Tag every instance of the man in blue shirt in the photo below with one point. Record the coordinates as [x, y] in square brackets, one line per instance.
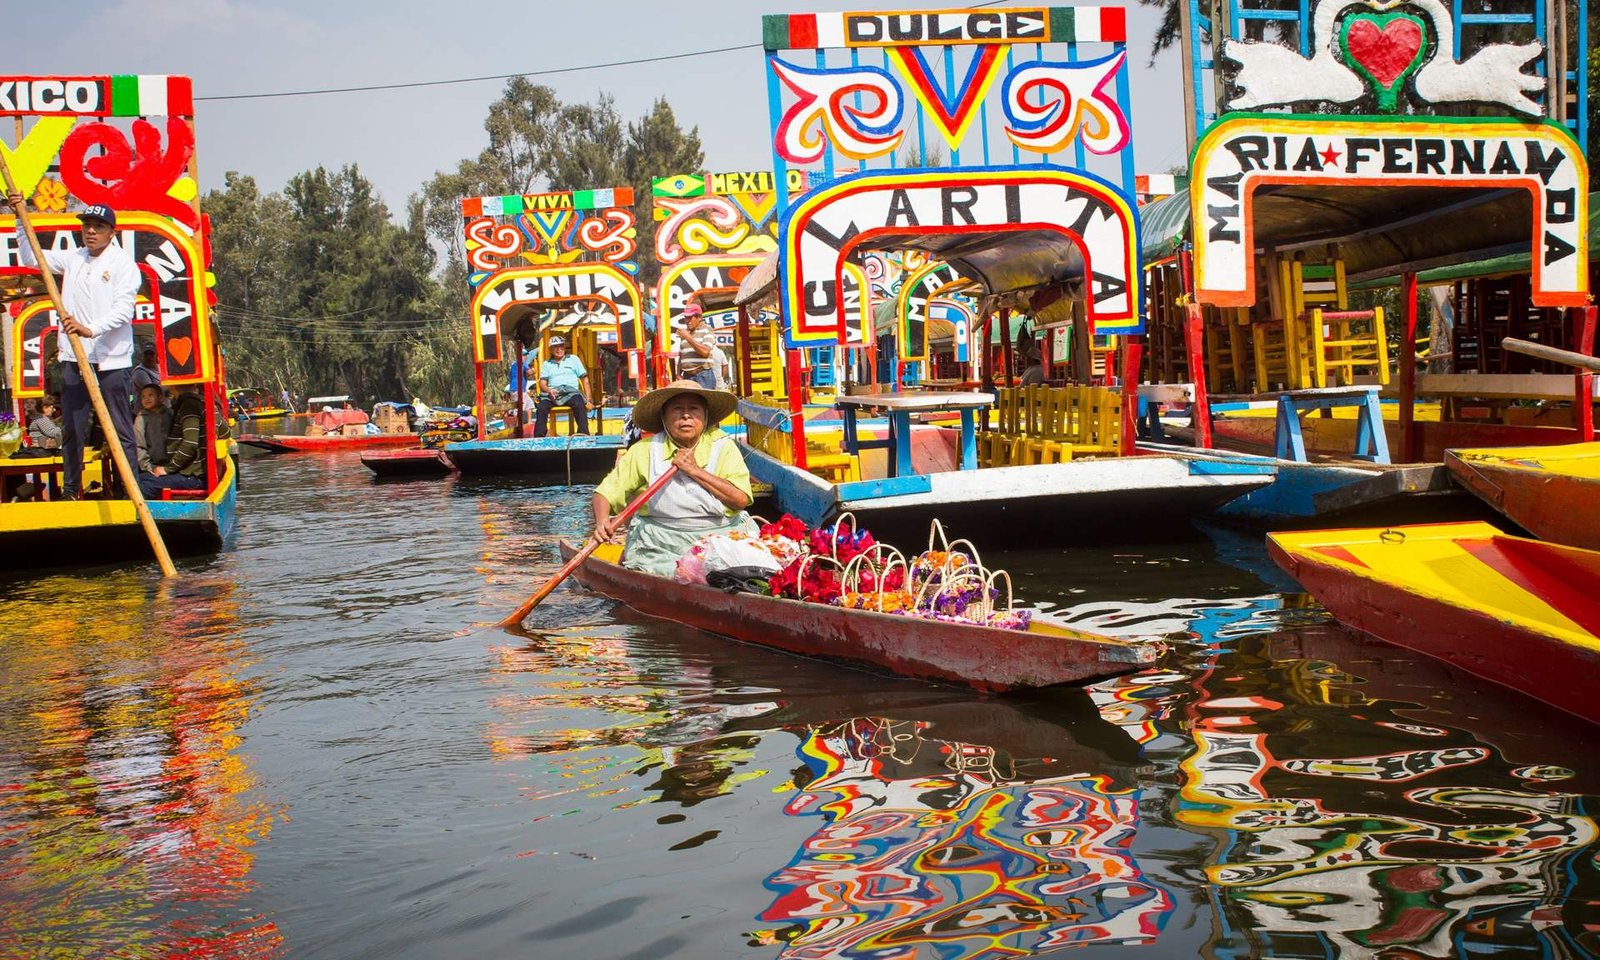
[561, 383]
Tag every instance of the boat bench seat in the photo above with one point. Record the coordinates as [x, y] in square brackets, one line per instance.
[831, 465]
[183, 494]
[1039, 424]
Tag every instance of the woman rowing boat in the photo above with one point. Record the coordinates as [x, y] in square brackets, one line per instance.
[707, 495]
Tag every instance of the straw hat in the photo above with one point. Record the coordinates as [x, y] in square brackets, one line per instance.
[647, 412]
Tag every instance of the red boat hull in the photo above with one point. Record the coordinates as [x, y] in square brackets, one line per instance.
[1560, 674]
[984, 658]
[290, 443]
[1551, 506]
[408, 463]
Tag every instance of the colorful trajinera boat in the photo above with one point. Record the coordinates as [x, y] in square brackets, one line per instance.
[1551, 492]
[1521, 613]
[166, 238]
[540, 266]
[1261, 274]
[985, 658]
[1035, 216]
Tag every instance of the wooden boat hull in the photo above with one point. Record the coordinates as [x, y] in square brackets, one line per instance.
[1552, 492]
[407, 464]
[576, 459]
[84, 533]
[1001, 507]
[984, 658]
[1517, 612]
[291, 443]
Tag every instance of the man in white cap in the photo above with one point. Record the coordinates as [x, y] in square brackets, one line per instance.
[562, 379]
[99, 286]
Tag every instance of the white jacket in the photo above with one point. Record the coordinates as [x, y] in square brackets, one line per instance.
[100, 293]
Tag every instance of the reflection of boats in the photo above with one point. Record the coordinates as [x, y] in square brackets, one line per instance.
[1519, 612]
[407, 463]
[981, 657]
[1552, 492]
[954, 847]
[294, 443]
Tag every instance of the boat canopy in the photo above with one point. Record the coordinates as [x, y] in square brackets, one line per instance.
[760, 283]
[1380, 231]
[1500, 266]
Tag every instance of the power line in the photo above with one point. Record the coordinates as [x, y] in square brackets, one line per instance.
[506, 76]
[499, 76]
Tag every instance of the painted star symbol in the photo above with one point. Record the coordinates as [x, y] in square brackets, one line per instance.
[1329, 156]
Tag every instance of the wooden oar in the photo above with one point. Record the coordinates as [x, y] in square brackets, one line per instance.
[124, 468]
[522, 612]
[1543, 352]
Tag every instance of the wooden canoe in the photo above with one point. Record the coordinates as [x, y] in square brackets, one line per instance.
[1552, 492]
[407, 463]
[293, 443]
[1522, 613]
[985, 658]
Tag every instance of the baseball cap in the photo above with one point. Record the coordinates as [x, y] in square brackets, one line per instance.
[557, 342]
[693, 310]
[99, 211]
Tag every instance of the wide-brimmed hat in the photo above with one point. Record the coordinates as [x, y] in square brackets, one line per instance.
[647, 412]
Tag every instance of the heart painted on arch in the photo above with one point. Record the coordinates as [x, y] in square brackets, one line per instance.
[180, 349]
[1385, 48]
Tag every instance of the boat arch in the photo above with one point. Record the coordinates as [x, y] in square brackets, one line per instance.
[601, 284]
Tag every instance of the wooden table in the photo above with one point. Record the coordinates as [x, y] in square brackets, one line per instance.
[899, 406]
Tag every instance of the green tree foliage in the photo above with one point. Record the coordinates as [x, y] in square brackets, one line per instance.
[321, 290]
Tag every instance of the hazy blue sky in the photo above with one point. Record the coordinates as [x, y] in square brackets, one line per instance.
[401, 137]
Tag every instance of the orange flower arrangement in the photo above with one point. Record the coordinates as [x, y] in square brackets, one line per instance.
[890, 601]
[51, 196]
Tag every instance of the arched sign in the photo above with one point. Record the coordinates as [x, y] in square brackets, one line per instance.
[169, 259]
[827, 226]
[912, 302]
[681, 281]
[594, 283]
[1241, 153]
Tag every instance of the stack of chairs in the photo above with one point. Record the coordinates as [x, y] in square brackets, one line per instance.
[1040, 424]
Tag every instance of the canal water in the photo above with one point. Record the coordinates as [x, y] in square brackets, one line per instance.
[312, 748]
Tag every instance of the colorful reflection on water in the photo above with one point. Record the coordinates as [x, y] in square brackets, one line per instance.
[955, 850]
[122, 815]
[307, 750]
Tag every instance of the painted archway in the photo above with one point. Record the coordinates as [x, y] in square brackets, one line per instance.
[599, 283]
[1242, 153]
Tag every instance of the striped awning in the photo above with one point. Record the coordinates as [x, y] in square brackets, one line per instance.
[1164, 226]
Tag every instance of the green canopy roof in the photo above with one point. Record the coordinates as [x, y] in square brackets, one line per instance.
[1510, 263]
[1163, 226]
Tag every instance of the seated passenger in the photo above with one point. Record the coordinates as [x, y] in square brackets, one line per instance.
[44, 431]
[150, 429]
[185, 468]
[708, 494]
[561, 384]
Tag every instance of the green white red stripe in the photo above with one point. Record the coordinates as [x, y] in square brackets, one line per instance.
[995, 25]
[151, 95]
[513, 204]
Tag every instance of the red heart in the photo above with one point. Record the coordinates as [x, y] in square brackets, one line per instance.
[180, 348]
[1388, 52]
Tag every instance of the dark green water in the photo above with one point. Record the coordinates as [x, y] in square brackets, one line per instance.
[306, 751]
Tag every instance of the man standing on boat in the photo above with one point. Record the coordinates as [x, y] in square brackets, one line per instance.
[562, 379]
[696, 349]
[99, 285]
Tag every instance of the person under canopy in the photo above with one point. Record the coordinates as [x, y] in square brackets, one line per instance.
[708, 494]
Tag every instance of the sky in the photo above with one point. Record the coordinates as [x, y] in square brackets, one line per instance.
[400, 138]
